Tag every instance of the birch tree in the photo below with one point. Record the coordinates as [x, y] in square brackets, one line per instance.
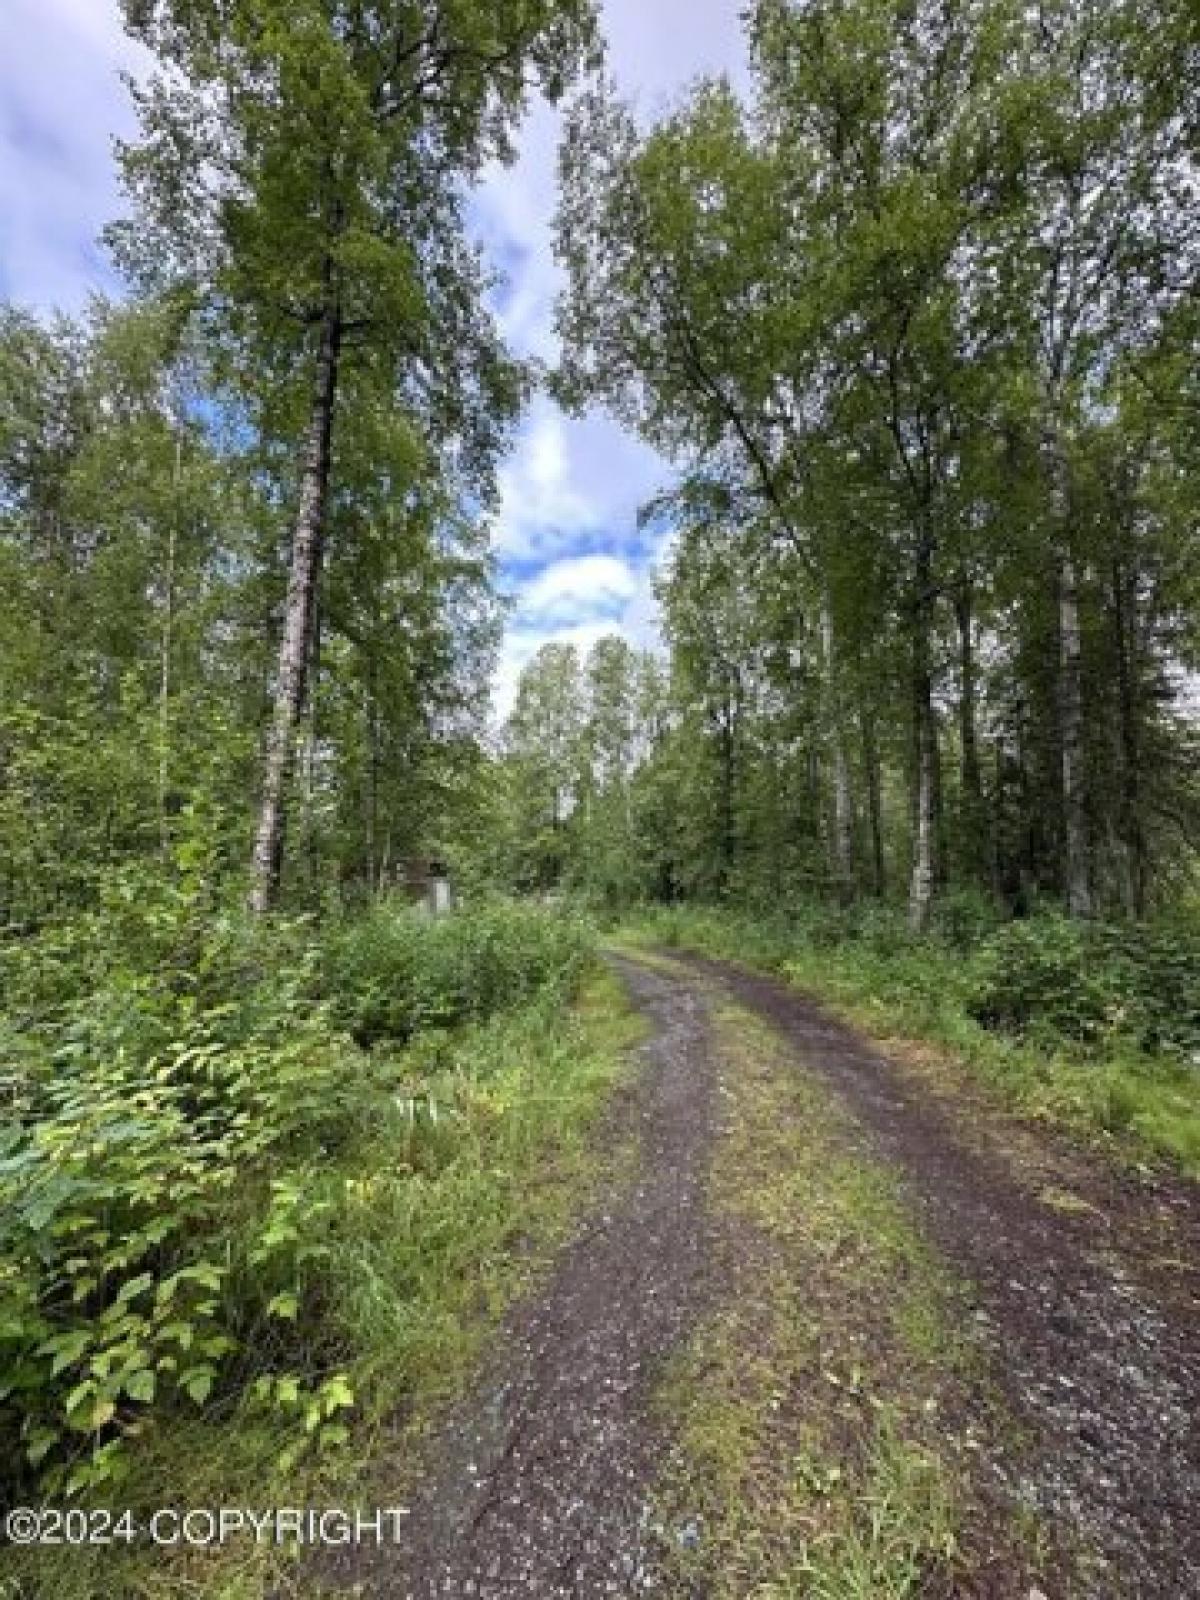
[301, 170]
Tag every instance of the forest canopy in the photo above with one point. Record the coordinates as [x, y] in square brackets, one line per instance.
[910, 321]
[912, 317]
[918, 325]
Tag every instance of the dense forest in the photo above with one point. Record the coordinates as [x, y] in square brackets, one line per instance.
[918, 325]
[920, 328]
[912, 321]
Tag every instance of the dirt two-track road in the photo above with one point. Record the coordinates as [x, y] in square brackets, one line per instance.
[684, 1349]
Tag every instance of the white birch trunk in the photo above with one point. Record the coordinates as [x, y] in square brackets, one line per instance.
[296, 643]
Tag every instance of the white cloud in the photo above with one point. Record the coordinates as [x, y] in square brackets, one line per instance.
[61, 105]
[513, 213]
[577, 602]
[574, 482]
[573, 590]
[574, 601]
[655, 47]
[539, 504]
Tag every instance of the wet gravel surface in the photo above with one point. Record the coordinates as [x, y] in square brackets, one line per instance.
[539, 1483]
[1092, 1318]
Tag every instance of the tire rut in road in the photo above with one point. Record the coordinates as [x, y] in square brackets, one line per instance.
[1103, 1370]
[539, 1483]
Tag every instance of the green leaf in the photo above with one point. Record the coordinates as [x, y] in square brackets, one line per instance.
[103, 1412]
[134, 1287]
[140, 1385]
[197, 1384]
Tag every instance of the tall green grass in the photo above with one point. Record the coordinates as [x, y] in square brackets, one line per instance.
[394, 973]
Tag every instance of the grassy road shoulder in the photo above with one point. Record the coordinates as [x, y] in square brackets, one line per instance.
[832, 1417]
[914, 997]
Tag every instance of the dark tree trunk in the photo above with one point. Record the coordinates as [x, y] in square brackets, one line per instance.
[843, 811]
[925, 777]
[1070, 677]
[312, 842]
[166, 654]
[1076, 864]
[727, 758]
[1133, 833]
[373, 762]
[299, 612]
[1029, 834]
[920, 896]
[874, 801]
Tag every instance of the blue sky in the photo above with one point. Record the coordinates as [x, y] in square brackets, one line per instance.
[571, 553]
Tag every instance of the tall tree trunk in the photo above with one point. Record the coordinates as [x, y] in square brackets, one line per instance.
[1028, 854]
[996, 856]
[728, 844]
[1070, 674]
[940, 853]
[925, 784]
[843, 812]
[812, 779]
[1133, 834]
[372, 819]
[920, 895]
[973, 819]
[295, 645]
[166, 654]
[1076, 865]
[312, 841]
[874, 800]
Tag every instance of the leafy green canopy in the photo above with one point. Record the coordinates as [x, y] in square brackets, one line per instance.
[916, 324]
[291, 151]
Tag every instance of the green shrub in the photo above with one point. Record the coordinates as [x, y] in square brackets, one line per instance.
[1044, 974]
[1053, 978]
[144, 1166]
[395, 972]
[964, 918]
[1168, 966]
[178, 1091]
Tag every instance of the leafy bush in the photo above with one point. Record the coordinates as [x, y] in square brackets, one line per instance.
[1044, 974]
[395, 972]
[1083, 982]
[963, 918]
[147, 1220]
[178, 1090]
[1047, 978]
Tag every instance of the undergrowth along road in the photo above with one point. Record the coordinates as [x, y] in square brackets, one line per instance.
[798, 1317]
[449, 1214]
[1079, 1294]
[832, 1333]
